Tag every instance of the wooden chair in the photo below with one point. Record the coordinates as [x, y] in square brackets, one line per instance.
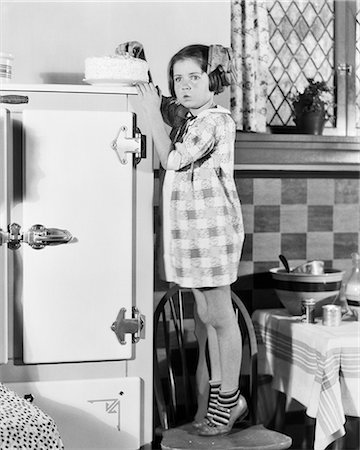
[180, 380]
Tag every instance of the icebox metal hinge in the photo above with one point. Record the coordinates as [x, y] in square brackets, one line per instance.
[134, 326]
[124, 143]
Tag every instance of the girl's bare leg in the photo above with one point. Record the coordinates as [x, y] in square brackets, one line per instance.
[205, 333]
[230, 405]
[221, 316]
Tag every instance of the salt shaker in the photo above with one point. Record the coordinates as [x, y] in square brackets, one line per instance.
[308, 310]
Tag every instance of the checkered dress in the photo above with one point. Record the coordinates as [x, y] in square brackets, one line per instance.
[202, 222]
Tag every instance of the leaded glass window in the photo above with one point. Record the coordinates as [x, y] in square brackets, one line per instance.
[301, 37]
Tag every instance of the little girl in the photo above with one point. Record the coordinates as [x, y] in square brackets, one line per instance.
[202, 222]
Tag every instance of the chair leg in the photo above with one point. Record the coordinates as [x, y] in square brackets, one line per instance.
[279, 418]
[309, 435]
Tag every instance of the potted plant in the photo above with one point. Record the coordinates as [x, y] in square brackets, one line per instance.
[310, 107]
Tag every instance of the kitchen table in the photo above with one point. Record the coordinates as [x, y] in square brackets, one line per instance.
[317, 365]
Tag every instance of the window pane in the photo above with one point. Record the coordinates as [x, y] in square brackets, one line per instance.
[302, 46]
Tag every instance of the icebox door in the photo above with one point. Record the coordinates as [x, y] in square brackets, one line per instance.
[73, 179]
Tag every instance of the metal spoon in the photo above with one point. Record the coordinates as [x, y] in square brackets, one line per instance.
[285, 262]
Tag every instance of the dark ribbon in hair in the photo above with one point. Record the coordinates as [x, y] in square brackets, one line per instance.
[220, 63]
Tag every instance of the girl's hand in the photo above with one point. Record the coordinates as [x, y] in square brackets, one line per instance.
[150, 96]
[134, 48]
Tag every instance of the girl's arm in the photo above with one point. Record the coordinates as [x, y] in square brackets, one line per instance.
[151, 102]
[171, 112]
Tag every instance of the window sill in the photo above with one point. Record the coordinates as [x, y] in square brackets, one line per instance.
[262, 151]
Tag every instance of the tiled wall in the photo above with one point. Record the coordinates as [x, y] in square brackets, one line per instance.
[303, 215]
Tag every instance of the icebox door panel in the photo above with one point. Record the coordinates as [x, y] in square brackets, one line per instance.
[73, 180]
[96, 414]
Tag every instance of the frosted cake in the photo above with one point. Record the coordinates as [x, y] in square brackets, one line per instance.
[125, 69]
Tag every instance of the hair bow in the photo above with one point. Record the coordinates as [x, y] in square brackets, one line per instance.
[222, 58]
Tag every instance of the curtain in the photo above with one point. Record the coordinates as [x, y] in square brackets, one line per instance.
[250, 44]
[357, 65]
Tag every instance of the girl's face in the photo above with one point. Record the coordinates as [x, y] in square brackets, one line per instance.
[191, 84]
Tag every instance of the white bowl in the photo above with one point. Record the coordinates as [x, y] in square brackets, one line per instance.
[292, 288]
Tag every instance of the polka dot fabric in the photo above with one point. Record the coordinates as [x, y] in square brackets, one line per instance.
[23, 426]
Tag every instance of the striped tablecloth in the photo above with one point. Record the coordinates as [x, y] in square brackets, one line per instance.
[316, 365]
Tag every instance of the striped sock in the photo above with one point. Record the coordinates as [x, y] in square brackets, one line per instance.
[225, 402]
[213, 397]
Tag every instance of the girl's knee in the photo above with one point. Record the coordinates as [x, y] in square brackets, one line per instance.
[214, 306]
[219, 305]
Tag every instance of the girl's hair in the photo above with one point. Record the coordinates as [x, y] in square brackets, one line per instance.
[199, 53]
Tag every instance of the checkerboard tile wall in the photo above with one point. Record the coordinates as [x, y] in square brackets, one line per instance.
[303, 215]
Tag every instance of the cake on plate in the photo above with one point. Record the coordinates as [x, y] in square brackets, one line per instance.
[124, 69]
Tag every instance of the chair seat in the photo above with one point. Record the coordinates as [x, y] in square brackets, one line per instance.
[255, 437]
